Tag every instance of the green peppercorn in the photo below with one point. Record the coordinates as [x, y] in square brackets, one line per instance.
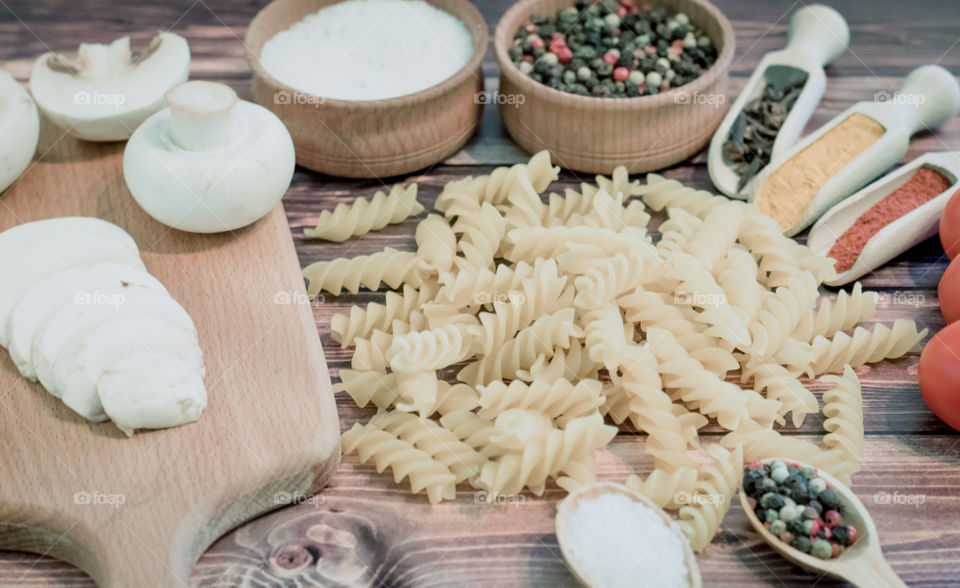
[817, 485]
[777, 527]
[802, 543]
[821, 548]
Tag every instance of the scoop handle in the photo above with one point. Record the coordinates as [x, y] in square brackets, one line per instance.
[928, 98]
[819, 32]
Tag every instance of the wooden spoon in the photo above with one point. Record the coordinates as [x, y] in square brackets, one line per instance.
[568, 506]
[861, 564]
[909, 230]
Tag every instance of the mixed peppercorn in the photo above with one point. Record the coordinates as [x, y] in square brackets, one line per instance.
[799, 507]
[612, 49]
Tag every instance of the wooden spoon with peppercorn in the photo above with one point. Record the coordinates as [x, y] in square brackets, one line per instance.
[842, 523]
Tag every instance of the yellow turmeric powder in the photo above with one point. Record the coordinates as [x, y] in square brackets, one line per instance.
[790, 189]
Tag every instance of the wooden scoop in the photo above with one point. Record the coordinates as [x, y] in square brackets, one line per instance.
[907, 231]
[817, 36]
[861, 564]
[929, 97]
[568, 506]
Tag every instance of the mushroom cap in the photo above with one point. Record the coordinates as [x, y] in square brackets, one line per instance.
[214, 190]
[19, 127]
[108, 92]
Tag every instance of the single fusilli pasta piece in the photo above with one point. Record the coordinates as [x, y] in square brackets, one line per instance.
[660, 193]
[546, 335]
[614, 276]
[781, 313]
[442, 445]
[496, 187]
[470, 428]
[701, 516]
[482, 232]
[605, 336]
[651, 410]
[382, 391]
[370, 354]
[559, 399]
[843, 313]
[774, 381]
[843, 409]
[830, 355]
[364, 215]
[406, 461]
[361, 322]
[390, 267]
[699, 289]
[573, 364]
[419, 351]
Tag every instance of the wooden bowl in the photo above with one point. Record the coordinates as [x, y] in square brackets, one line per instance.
[569, 504]
[595, 135]
[371, 138]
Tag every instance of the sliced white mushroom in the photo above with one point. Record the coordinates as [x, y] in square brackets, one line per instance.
[87, 356]
[16, 239]
[77, 320]
[147, 390]
[209, 163]
[51, 255]
[107, 92]
[19, 127]
[75, 284]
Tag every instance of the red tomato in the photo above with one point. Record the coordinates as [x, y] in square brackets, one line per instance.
[950, 227]
[949, 292]
[939, 373]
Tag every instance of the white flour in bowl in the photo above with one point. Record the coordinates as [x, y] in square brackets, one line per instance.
[369, 50]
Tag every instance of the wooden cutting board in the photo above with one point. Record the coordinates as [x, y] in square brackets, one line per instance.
[139, 511]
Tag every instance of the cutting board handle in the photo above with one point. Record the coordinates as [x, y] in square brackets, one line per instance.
[126, 560]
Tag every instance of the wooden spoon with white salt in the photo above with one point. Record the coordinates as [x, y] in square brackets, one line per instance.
[861, 564]
[580, 563]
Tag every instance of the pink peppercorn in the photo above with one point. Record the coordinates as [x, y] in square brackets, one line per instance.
[766, 525]
[837, 549]
[564, 54]
[621, 11]
[665, 86]
[556, 43]
[610, 57]
[531, 28]
[827, 533]
[832, 518]
[642, 87]
[853, 534]
[537, 43]
[527, 58]
[621, 74]
[752, 502]
[651, 50]
[787, 537]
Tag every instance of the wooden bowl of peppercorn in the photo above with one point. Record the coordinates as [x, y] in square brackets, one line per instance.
[594, 133]
[371, 138]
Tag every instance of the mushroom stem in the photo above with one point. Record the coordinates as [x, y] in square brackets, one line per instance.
[201, 115]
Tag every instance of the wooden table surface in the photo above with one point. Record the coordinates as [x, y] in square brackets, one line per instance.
[365, 530]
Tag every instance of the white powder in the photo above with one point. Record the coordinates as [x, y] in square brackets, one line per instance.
[369, 49]
[619, 542]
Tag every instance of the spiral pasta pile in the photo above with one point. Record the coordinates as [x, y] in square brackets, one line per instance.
[557, 316]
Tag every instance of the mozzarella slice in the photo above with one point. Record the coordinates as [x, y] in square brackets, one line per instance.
[152, 391]
[23, 236]
[84, 359]
[76, 320]
[48, 256]
[79, 284]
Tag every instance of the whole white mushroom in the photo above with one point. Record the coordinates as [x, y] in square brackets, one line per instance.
[19, 130]
[209, 162]
[108, 91]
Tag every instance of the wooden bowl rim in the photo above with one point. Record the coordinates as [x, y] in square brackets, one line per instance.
[477, 27]
[867, 538]
[714, 73]
[567, 506]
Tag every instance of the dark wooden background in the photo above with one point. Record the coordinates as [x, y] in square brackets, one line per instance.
[363, 529]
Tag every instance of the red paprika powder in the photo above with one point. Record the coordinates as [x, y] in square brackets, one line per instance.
[924, 185]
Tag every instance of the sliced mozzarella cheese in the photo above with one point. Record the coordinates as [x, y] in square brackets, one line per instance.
[82, 283]
[86, 357]
[50, 255]
[23, 236]
[76, 320]
[151, 391]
